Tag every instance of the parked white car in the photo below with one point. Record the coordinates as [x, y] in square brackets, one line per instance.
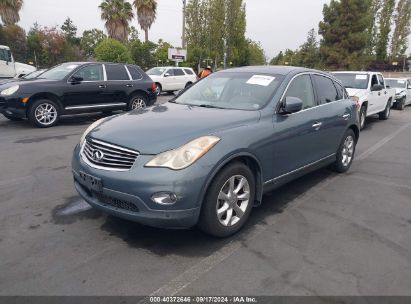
[370, 91]
[170, 79]
[9, 68]
[402, 88]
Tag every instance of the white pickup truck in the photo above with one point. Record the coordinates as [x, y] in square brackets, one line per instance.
[9, 68]
[370, 91]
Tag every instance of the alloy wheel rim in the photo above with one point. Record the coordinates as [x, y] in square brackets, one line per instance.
[138, 103]
[348, 151]
[233, 200]
[46, 114]
[158, 90]
[362, 119]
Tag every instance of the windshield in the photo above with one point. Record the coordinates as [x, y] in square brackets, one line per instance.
[241, 91]
[59, 72]
[353, 80]
[34, 74]
[396, 83]
[156, 71]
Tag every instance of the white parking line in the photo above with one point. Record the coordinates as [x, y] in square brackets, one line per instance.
[195, 272]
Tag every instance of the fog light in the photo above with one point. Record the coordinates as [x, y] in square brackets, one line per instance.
[164, 198]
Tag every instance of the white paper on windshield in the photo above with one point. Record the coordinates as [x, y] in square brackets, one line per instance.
[361, 77]
[261, 80]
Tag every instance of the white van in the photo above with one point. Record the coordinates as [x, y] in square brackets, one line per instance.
[9, 68]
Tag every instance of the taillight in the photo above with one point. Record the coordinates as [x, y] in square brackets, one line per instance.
[153, 87]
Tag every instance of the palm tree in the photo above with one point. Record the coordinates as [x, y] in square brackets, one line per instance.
[146, 13]
[117, 14]
[9, 11]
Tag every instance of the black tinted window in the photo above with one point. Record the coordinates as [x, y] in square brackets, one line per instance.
[340, 91]
[381, 80]
[301, 87]
[5, 55]
[170, 72]
[116, 72]
[374, 80]
[188, 72]
[91, 73]
[178, 72]
[134, 72]
[326, 90]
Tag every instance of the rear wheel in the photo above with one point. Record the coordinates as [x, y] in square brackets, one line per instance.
[137, 101]
[400, 104]
[159, 89]
[384, 115]
[345, 153]
[189, 84]
[228, 201]
[44, 113]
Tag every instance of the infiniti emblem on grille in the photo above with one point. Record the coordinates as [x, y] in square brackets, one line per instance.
[98, 155]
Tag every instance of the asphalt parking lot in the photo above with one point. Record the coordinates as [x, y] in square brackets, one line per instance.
[324, 234]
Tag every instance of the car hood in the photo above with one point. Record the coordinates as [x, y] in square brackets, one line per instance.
[356, 92]
[168, 126]
[399, 90]
[24, 83]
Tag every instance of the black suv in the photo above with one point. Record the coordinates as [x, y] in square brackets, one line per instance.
[76, 87]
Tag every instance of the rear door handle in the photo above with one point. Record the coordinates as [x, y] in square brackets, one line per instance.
[317, 125]
[102, 86]
[346, 116]
[129, 85]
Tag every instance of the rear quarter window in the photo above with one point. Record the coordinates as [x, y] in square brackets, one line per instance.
[326, 90]
[134, 72]
[116, 72]
[189, 72]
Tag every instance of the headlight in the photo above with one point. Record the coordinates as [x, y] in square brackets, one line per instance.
[400, 93]
[10, 91]
[186, 155]
[91, 128]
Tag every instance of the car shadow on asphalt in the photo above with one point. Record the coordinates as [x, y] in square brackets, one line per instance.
[193, 242]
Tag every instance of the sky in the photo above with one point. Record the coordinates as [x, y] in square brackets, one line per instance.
[276, 24]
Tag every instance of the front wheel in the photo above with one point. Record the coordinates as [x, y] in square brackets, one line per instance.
[137, 102]
[384, 115]
[363, 115]
[345, 153]
[400, 104]
[44, 113]
[228, 201]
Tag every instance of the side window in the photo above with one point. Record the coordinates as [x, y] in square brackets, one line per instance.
[170, 72]
[326, 90]
[381, 79]
[91, 73]
[189, 72]
[409, 84]
[178, 72]
[340, 91]
[3, 54]
[302, 88]
[134, 72]
[374, 80]
[116, 72]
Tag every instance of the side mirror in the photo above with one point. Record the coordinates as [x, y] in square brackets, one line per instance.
[292, 105]
[376, 88]
[76, 79]
[388, 87]
[166, 75]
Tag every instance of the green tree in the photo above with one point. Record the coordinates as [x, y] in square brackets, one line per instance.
[309, 52]
[142, 53]
[161, 52]
[384, 29]
[402, 21]
[10, 11]
[112, 50]
[235, 32]
[15, 37]
[70, 31]
[346, 36]
[90, 40]
[256, 55]
[146, 14]
[117, 15]
[133, 34]
[277, 60]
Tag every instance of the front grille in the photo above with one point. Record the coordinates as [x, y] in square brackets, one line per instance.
[102, 155]
[114, 202]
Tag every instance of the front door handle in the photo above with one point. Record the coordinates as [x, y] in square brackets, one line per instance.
[346, 116]
[129, 85]
[379, 93]
[102, 86]
[317, 125]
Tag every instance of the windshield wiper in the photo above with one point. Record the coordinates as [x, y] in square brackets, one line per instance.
[208, 106]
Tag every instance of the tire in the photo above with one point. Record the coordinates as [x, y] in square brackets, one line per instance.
[12, 118]
[189, 84]
[363, 115]
[400, 105]
[137, 102]
[159, 89]
[220, 196]
[44, 113]
[384, 115]
[346, 152]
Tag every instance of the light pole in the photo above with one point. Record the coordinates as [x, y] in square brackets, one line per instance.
[183, 38]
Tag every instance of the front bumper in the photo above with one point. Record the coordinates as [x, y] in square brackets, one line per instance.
[128, 194]
[12, 106]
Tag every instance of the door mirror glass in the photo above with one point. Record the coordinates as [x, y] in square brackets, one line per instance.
[292, 105]
[376, 88]
[76, 79]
